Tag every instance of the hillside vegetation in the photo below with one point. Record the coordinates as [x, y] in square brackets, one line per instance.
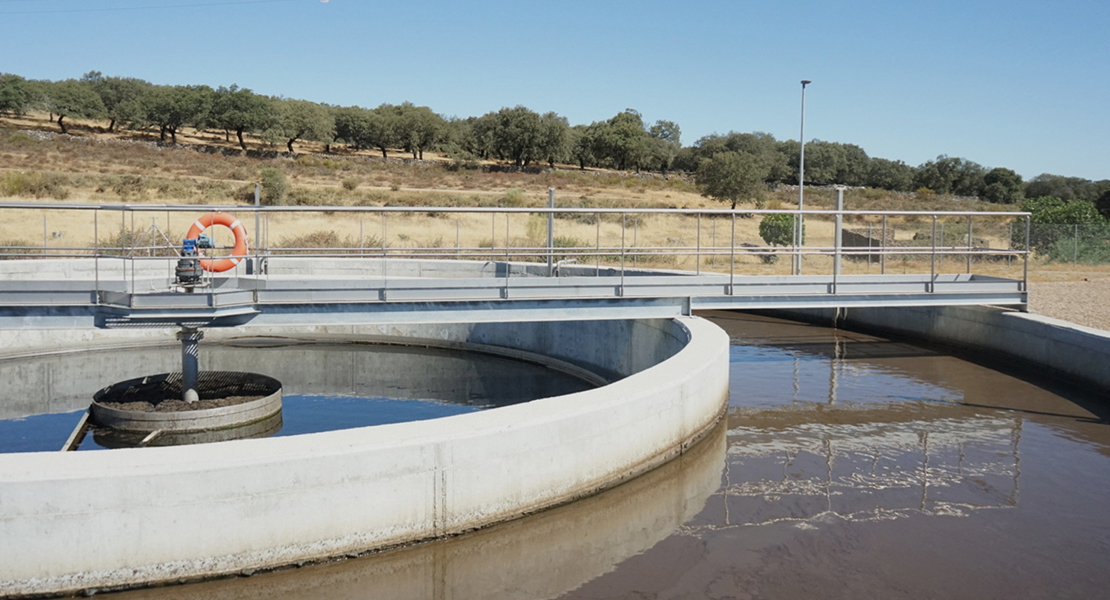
[515, 136]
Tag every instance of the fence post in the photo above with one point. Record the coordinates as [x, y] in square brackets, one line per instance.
[1075, 250]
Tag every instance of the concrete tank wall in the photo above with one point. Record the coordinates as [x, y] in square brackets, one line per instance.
[1079, 354]
[73, 521]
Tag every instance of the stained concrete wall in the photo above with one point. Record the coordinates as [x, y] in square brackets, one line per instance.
[1079, 354]
[73, 521]
[65, 382]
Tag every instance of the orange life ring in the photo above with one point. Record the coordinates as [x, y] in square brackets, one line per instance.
[238, 253]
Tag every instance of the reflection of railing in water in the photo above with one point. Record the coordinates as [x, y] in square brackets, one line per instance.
[866, 471]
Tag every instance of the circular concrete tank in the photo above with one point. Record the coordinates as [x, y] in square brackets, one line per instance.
[263, 503]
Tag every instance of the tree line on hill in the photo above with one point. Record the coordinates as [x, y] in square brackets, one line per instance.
[728, 166]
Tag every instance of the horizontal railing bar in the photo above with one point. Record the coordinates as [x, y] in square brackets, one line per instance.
[489, 209]
[502, 252]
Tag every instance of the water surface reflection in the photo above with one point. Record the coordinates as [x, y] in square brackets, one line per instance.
[864, 467]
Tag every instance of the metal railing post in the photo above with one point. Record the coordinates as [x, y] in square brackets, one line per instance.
[620, 292]
[1025, 267]
[713, 252]
[882, 248]
[795, 256]
[732, 259]
[550, 230]
[597, 245]
[933, 259]
[96, 253]
[258, 233]
[969, 244]
[635, 241]
[385, 251]
[838, 231]
[698, 256]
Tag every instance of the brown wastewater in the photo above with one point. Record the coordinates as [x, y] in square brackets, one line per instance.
[849, 466]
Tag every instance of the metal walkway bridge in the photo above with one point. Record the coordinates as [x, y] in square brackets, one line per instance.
[503, 266]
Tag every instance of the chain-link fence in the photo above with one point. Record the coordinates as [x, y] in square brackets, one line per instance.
[1087, 244]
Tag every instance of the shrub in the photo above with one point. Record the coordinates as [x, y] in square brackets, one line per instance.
[327, 239]
[39, 185]
[127, 185]
[514, 198]
[275, 187]
[302, 196]
[350, 184]
[777, 230]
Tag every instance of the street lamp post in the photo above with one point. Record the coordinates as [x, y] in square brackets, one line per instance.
[800, 221]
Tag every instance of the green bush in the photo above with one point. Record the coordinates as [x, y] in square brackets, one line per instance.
[1090, 247]
[1053, 224]
[275, 187]
[777, 230]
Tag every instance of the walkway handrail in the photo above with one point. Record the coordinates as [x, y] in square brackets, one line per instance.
[499, 243]
[494, 209]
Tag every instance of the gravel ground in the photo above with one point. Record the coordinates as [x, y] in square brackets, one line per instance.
[1084, 302]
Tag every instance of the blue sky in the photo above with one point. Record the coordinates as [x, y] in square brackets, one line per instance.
[1013, 84]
